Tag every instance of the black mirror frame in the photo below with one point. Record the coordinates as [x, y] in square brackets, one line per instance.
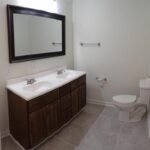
[22, 10]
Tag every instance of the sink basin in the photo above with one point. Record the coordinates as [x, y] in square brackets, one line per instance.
[37, 86]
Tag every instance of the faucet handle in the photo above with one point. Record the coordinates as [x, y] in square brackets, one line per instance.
[31, 81]
[60, 71]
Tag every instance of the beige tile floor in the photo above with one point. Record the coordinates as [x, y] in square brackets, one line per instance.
[96, 128]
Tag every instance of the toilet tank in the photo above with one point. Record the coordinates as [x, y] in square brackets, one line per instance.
[145, 91]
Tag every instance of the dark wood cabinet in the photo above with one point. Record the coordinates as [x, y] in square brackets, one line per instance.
[78, 94]
[37, 126]
[82, 96]
[32, 121]
[75, 101]
[65, 103]
[51, 117]
[43, 122]
[65, 108]
[43, 100]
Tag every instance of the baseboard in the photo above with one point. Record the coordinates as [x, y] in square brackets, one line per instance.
[5, 133]
[99, 102]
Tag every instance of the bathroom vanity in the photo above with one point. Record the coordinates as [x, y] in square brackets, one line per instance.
[39, 110]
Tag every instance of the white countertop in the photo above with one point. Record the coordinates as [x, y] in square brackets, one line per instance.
[50, 80]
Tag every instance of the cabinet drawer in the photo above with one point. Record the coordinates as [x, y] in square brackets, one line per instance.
[65, 102]
[43, 100]
[78, 82]
[64, 90]
[66, 116]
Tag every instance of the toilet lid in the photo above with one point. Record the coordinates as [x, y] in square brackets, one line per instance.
[125, 99]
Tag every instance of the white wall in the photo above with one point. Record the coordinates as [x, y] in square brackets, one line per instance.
[123, 28]
[15, 70]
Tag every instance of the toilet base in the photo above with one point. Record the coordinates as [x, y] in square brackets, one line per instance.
[134, 114]
[125, 117]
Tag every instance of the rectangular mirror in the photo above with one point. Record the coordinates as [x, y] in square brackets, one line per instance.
[34, 34]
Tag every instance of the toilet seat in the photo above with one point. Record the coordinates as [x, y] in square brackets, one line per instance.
[124, 100]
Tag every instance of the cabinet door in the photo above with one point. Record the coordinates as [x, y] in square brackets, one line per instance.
[66, 116]
[65, 108]
[75, 99]
[37, 127]
[51, 117]
[82, 96]
[65, 102]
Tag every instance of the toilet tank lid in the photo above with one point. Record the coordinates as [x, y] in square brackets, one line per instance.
[145, 83]
[125, 99]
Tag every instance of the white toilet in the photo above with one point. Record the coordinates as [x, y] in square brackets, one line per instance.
[131, 108]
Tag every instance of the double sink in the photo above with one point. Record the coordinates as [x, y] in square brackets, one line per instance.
[43, 83]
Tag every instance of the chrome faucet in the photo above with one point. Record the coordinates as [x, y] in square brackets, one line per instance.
[61, 71]
[31, 81]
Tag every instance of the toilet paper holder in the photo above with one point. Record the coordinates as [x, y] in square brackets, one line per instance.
[101, 79]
